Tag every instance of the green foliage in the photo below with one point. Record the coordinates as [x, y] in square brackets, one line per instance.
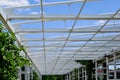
[35, 76]
[76, 75]
[53, 77]
[10, 59]
[89, 67]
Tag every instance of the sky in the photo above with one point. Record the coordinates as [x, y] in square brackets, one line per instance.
[90, 8]
[96, 7]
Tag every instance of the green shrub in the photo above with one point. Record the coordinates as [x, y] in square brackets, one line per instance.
[10, 59]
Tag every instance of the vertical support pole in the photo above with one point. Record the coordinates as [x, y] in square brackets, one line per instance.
[69, 76]
[96, 73]
[78, 74]
[114, 56]
[26, 76]
[66, 77]
[107, 66]
[31, 74]
[28, 72]
[19, 73]
[82, 73]
[73, 75]
[85, 74]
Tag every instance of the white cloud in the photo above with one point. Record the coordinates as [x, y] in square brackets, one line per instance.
[34, 13]
[21, 9]
[100, 22]
[14, 2]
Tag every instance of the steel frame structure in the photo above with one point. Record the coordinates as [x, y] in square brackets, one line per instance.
[56, 55]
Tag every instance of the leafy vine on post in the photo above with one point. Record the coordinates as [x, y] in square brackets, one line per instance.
[10, 58]
[89, 68]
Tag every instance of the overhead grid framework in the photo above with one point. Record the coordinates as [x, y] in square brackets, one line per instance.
[54, 40]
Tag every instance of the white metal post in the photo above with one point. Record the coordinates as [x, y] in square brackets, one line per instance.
[26, 76]
[31, 73]
[28, 72]
[85, 74]
[96, 73]
[82, 73]
[115, 77]
[69, 76]
[66, 77]
[73, 73]
[107, 66]
[78, 74]
[19, 73]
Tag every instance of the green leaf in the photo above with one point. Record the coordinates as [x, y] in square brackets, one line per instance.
[11, 59]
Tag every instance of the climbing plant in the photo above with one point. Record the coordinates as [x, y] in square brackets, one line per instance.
[35, 76]
[89, 67]
[10, 58]
[76, 74]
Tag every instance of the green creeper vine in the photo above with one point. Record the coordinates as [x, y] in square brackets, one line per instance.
[35, 76]
[53, 77]
[89, 67]
[10, 59]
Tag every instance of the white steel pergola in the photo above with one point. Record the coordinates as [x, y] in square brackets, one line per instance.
[54, 41]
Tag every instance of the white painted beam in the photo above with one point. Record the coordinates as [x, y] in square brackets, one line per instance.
[62, 17]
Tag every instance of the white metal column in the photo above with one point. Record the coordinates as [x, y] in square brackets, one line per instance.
[78, 74]
[26, 77]
[96, 73]
[69, 76]
[19, 73]
[107, 66]
[66, 77]
[114, 56]
[73, 74]
[85, 74]
[82, 73]
[31, 73]
[27, 73]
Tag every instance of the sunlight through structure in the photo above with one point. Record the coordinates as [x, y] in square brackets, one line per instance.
[55, 34]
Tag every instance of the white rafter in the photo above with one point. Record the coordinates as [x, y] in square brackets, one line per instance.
[54, 49]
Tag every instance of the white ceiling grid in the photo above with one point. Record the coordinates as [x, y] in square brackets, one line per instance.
[55, 40]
